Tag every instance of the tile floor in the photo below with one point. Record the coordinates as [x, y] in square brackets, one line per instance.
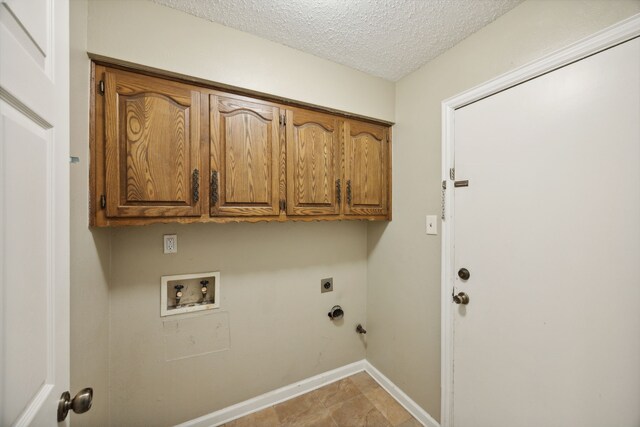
[351, 402]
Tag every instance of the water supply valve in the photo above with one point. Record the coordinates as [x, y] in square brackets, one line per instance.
[204, 289]
[178, 289]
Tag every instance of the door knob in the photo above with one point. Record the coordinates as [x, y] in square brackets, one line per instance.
[461, 298]
[464, 274]
[80, 403]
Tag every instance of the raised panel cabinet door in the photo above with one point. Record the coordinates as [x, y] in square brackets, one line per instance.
[314, 185]
[366, 170]
[152, 146]
[245, 157]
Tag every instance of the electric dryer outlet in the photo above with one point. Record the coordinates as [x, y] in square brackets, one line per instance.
[326, 285]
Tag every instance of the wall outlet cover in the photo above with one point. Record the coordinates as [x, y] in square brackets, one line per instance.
[170, 243]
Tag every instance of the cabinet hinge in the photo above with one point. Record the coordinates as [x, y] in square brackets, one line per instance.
[283, 119]
[101, 87]
[452, 173]
[103, 201]
[283, 205]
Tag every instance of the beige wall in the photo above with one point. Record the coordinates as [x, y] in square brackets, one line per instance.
[156, 36]
[403, 297]
[271, 302]
[89, 248]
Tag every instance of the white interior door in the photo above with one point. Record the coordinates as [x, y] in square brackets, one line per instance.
[34, 210]
[549, 229]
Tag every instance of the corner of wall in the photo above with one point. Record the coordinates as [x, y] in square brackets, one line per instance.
[90, 249]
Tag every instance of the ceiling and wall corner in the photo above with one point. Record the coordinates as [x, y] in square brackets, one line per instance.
[384, 38]
[142, 32]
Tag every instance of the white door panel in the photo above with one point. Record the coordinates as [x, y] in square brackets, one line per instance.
[27, 73]
[549, 229]
[34, 17]
[27, 279]
[34, 210]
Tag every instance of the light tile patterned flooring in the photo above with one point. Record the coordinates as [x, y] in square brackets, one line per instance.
[351, 402]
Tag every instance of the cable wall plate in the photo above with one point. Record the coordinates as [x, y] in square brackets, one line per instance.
[187, 293]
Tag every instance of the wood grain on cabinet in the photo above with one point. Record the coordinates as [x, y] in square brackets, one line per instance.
[366, 168]
[245, 157]
[152, 147]
[268, 159]
[314, 178]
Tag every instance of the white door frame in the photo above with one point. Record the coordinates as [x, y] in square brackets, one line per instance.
[609, 37]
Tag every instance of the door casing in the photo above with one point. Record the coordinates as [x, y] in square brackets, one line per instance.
[607, 38]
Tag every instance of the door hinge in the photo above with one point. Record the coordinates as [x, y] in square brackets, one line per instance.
[452, 173]
[444, 198]
[103, 201]
[101, 87]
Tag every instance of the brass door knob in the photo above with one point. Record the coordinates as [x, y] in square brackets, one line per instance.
[464, 274]
[461, 298]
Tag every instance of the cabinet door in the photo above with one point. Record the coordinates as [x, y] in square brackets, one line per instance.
[152, 147]
[366, 170]
[313, 163]
[245, 153]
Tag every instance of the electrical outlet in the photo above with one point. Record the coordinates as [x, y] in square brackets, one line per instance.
[326, 285]
[170, 243]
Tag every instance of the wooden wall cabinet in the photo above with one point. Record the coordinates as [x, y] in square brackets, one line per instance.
[166, 150]
[366, 169]
[245, 153]
[314, 164]
[152, 162]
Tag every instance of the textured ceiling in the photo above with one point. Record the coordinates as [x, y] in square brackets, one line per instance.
[386, 38]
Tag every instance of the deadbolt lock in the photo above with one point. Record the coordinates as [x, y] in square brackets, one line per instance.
[464, 274]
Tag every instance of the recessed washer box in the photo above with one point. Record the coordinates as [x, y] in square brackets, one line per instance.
[186, 293]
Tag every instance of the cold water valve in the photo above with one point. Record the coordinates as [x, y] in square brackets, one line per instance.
[204, 289]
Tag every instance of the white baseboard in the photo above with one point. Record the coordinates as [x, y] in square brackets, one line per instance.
[290, 391]
[274, 397]
[404, 400]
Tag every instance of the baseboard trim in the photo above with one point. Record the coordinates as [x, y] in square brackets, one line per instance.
[290, 391]
[402, 398]
[274, 397]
